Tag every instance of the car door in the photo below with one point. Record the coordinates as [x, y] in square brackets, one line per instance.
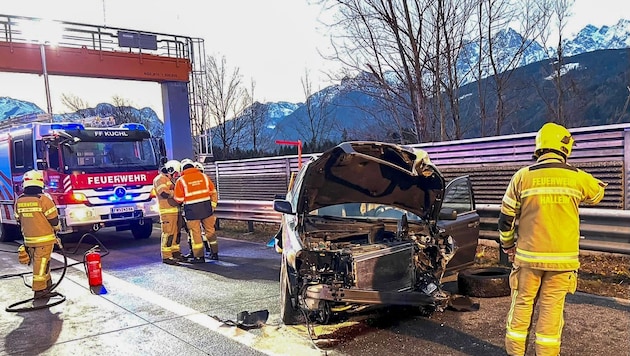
[459, 201]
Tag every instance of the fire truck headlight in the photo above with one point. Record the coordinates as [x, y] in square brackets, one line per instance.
[79, 197]
[155, 208]
[82, 214]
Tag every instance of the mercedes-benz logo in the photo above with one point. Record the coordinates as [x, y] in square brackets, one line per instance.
[120, 192]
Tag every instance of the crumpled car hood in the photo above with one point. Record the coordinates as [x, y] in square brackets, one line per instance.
[373, 172]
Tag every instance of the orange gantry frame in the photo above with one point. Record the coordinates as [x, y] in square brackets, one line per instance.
[83, 62]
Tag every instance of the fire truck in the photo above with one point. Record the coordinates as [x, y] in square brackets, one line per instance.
[98, 176]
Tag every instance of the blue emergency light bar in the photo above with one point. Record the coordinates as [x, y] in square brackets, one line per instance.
[135, 127]
[67, 126]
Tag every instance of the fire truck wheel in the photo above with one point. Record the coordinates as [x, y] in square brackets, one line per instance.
[10, 232]
[142, 231]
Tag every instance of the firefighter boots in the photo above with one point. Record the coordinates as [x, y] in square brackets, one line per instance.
[170, 261]
[177, 256]
[44, 293]
[197, 260]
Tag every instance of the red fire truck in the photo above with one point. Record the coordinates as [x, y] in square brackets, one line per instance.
[98, 176]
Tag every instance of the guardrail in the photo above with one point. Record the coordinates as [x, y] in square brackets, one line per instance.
[603, 230]
[247, 187]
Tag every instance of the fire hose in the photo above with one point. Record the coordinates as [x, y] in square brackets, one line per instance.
[92, 264]
[13, 308]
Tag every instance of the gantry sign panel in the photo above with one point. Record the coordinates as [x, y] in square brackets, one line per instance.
[112, 53]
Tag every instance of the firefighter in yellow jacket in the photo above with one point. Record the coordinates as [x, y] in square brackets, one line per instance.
[544, 197]
[164, 186]
[38, 218]
[199, 197]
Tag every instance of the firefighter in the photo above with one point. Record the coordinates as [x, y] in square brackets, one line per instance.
[206, 244]
[196, 192]
[38, 218]
[544, 197]
[164, 185]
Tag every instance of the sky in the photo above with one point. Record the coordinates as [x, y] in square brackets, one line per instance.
[272, 42]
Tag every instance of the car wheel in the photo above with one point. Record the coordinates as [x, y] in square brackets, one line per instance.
[288, 313]
[486, 282]
[141, 232]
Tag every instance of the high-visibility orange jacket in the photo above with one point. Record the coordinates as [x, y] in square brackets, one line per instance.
[164, 189]
[196, 192]
[544, 197]
[37, 215]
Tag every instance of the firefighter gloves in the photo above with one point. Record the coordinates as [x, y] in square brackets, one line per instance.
[23, 256]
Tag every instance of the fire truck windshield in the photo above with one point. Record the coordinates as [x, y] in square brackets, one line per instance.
[119, 156]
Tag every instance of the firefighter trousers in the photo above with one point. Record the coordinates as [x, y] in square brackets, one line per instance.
[548, 290]
[41, 266]
[194, 229]
[170, 235]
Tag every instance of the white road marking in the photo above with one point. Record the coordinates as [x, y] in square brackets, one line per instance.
[193, 315]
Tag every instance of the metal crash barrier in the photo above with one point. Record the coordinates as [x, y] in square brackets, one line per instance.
[603, 230]
[247, 187]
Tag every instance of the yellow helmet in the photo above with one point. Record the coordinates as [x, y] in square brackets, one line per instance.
[555, 138]
[33, 178]
[199, 166]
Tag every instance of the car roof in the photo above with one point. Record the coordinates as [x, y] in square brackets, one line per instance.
[372, 172]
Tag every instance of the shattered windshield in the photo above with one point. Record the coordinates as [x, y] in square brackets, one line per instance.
[93, 157]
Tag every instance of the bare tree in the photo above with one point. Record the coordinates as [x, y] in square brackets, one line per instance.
[255, 115]
[492, 16]
[561, 11]
[318, 122]
[386, 39]
[532, 18]
[624, 110]
[450, 20]
[74, 103]
[226, 99]
[123, 110]
[411, 48]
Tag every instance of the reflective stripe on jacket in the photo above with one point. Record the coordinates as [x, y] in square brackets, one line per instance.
[195, 191]
[33, 212]
[163, 184]
[544, 197]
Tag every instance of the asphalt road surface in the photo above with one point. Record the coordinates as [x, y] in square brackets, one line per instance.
[146, 307]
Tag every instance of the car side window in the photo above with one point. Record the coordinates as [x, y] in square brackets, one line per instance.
[458, 196]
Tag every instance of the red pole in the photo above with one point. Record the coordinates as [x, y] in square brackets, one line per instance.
[297, 143]
[299, 154]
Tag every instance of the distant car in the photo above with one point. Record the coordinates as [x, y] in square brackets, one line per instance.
[368, 224]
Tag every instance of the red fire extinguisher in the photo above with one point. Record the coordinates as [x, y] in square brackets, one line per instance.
[93, 267]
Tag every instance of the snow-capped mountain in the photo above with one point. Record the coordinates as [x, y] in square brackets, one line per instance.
[278, 111]
[591, 38]
[10, 107]
[507, 44]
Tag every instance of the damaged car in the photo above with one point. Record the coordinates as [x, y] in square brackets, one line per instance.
[370, 224]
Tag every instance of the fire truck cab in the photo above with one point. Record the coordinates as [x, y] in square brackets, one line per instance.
[98, 176]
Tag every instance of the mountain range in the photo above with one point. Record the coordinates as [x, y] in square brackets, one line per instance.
[596, 63]
[596, 60]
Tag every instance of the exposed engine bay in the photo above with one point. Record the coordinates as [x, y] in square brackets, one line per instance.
[351, 264]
